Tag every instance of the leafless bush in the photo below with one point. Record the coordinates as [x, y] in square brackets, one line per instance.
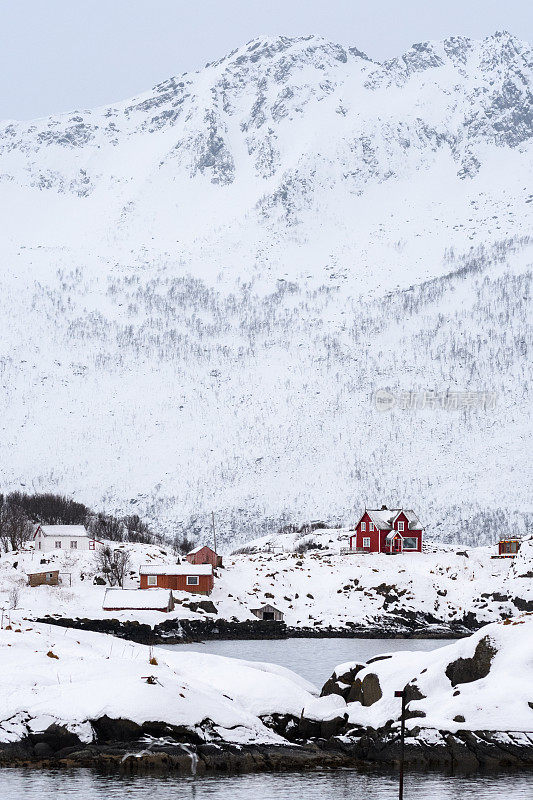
[114, 564]
[14, 596]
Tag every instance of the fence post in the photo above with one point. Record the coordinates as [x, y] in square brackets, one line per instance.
[402, 741]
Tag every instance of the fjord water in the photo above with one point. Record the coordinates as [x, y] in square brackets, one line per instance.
[313, 659]
[341, 784]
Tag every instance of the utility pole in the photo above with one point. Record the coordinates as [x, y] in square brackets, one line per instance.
[214, 531]
[402, 741]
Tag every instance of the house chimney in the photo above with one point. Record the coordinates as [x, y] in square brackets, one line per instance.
[384, 508]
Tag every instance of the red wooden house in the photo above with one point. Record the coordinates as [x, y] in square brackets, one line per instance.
[204, 555]
[387, 530]
[180, 577]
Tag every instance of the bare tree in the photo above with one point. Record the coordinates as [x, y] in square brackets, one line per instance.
[104, 526]
[15, 527]
[114, 564]
[121, 565]
[182, 544]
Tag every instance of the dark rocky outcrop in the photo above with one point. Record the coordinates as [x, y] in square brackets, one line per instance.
[466, 670]
[406, 624]
[204, 605]
[366, 691]
[121, 745]
[342, 684]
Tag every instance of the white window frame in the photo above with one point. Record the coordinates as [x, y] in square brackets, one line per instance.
[363, 526]
[366, 541]
[370, 526]
[406, 539]
[58, 545]
[151, 580]
[401, 526]
[192, 580]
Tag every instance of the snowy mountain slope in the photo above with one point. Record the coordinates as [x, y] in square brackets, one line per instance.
[204, 287]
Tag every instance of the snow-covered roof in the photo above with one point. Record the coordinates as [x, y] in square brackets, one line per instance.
[383, 518]
[200, 547]
[62, 530]
[176, 569]
[136, 598]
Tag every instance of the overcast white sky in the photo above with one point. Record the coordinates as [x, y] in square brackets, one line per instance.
[60, 55]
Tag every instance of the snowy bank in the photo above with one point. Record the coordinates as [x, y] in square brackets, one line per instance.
[73, 679]
[90, 699]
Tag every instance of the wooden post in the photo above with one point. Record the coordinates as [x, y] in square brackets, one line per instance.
[402, 741]
[214, 530]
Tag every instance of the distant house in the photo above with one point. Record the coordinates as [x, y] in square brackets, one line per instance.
[204, 555]
[508, 546]
[63, 537]
[137, 600]
[387, 530]
[268, 612]
[50, 578]
[180, 577]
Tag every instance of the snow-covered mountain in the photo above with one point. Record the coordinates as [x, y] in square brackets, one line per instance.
[203, 289]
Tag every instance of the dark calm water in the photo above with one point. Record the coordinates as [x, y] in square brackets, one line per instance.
[314, 659]
[17, 784]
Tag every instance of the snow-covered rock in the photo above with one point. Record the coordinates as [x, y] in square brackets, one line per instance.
[482, 683]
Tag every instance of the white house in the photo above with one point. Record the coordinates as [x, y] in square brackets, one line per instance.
[63, 537]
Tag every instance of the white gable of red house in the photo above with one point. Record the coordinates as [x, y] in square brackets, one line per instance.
[387, 530]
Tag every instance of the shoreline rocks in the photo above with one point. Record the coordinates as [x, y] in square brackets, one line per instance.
[125, 747]
[184, 631]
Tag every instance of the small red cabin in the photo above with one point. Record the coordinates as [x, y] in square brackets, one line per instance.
[387, 530]
[508, 546]
[180, 577]
[204, 555]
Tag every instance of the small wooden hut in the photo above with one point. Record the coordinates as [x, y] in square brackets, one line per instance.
[50, 578]
[268, 612]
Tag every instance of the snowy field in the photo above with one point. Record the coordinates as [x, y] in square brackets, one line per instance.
[316, 589]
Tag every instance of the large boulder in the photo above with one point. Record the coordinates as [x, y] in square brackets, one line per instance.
[366, 691]
[466, 670]
[341, 684]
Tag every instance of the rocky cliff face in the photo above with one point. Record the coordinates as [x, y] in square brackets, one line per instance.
[204, 287]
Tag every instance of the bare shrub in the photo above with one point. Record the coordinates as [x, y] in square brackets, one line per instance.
[114, 564]
[14, 596]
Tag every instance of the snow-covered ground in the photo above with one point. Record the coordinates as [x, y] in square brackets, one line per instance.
[316, 589]
[53, 675]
